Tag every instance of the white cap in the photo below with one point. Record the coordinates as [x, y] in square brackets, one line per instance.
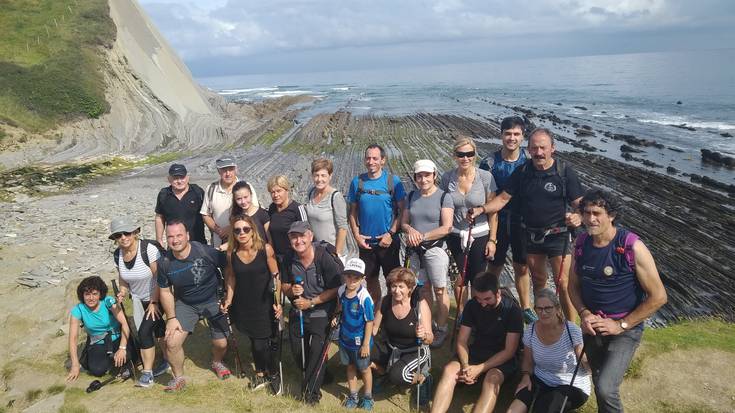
[424, 165]
[355, 266]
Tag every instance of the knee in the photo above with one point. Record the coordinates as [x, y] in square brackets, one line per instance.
[396, 377]
[440, 293]
[219, 343]
[99, 369]
[606, 390]
[493, 380]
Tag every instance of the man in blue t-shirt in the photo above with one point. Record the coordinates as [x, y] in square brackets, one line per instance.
[375, 198]
[189, 276]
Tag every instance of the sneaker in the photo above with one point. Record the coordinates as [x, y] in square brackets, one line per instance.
[221, 370]
[351, 402]
[366, 403]
[162, 368]
[258, 382]
[145, 380]
[439, 337]
[312, 399]
[529, 316]
[275, 385]
[175, 385]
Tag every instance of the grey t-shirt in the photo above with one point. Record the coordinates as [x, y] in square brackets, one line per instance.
[483, 185]
[324, 220]
[425, 211]
[194, 278]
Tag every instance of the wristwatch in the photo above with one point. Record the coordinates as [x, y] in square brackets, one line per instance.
[623, 324]
[311, 303]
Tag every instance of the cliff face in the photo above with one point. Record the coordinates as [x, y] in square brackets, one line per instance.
[155, 103]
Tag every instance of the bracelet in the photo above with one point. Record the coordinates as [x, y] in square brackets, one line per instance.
[153, 302]
[122, 348]
[525, 372]
[170, 318]
[583, 310]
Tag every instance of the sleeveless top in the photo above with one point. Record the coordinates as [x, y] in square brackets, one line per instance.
[252, 304]
[401, 333]
[608, 283]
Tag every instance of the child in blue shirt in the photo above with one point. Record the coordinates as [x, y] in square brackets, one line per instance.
[355, 333]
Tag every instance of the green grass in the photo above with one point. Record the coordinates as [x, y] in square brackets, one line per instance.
[710, 333]
[56, 389]
[73, 401]
[50, 61]
[33, 395]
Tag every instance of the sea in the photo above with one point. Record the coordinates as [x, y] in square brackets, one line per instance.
[684, 100]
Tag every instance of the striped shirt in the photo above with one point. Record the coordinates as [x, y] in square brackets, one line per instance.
[140, 278]
[554, 364]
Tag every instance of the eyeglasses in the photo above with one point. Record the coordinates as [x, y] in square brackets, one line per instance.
[544, 309]
[469, 154]
[120, 234]
[241, 230]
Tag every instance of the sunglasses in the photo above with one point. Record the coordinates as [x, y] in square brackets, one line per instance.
[241, 230]
[469, 154]
[120, 234]
[544, 309]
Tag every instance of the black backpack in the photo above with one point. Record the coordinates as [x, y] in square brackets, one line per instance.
[322, 250]
[143, 251]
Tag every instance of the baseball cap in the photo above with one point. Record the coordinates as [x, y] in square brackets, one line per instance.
[424, 165]
[225, 162]
[177, 169]
[299, 227]
[355, 266]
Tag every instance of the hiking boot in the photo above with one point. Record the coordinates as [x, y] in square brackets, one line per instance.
[439, 337]
[175, 385]
[312, 399]
[529, 316]
[351, 402]
[221, 370]
[162, 368]
[145, 380]
[275, 385]
[366, 403]
[258, 382]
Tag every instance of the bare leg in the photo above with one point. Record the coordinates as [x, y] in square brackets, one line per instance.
[367, 380]
[442, 314]
[517, 407]
[490, 389]
[219, 348]
[566, 303]
[175, 350]
[523, 284]
[537, 265]
[352, 378]
[148, 355]
[445, 389]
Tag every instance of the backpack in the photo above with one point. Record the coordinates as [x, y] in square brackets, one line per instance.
[623, 249]
[213, 185]
[143, 251]
[361, 187]
[322, 250]
[487, 163]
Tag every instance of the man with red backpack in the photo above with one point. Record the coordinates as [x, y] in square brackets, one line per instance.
[615, 287]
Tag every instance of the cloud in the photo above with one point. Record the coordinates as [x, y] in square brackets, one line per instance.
[240, 28]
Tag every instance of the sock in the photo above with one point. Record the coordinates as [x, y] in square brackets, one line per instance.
[367, 396]
[353, 396]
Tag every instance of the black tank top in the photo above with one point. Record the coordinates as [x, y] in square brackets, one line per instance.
[252, 304]
[401, 333]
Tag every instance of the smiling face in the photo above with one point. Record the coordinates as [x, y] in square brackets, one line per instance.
[177, 237]
[125, 240]
[424, 180]
[399, 291]
[321, 179]
[488, 299]
[596, 219]
[541, 149]
[243, 198]
[465, 156]
[92, 298]
[512, 138]
[227, 175]
[300, 242]
[374, 161]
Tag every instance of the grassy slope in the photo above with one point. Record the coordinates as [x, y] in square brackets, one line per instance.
[50, 61]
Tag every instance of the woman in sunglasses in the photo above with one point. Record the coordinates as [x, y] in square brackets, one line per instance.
[251, 280]
[553, 347]
[136, 261]
[470, 187]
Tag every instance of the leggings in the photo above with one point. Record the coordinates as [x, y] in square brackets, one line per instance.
[264, 351]
[315, 336]
[96, 360]
[477, 261]
[149, 330]
[549, 399]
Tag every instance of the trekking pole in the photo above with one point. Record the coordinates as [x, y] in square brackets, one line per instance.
[462, 283]
[325, 353]
[418, 355]
[300, 281]
[279, 321]
[232, 342]
[574, 376]
[133, 334]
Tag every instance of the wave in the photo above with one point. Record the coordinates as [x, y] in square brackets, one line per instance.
[680, 120]
[240, 91]
[285, 93]
[341, 89]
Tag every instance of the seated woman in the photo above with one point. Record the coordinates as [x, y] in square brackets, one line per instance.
[106, 327]
[404, 325]
[552, 348]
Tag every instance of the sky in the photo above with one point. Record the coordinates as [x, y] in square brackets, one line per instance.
[237, 37]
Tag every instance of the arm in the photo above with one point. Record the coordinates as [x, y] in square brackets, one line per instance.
[341, 241]
[492, 239]
[492, 206]
[424, 332]
[340, 220]
[463, 352]
[365, 348]
[359, 239]
[414, 237]
[160, 226]
[167, 301]
[73, 356]
[152, 310]
[324, 297]
[511, 346]
[387, 238]
[376, 322]
[574, 219]
[526, 369]
[230, 283]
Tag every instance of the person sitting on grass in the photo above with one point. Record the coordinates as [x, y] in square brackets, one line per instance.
[497, 324]
[106, 328]
[355, 332]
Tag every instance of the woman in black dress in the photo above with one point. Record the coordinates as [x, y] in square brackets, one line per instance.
[251, 280]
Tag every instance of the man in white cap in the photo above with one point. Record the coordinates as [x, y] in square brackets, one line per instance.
[218, 200]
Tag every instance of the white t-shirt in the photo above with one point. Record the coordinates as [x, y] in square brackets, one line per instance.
[140, 278]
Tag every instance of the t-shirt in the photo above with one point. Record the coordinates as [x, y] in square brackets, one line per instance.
[425, 211]
[323, 220]
[490, 326]
[98, 323]
[195, 278]
[140, 278]
[482, 185]
[502, 170]
[186, 209]
[375, 211]
[356, 312]
[314, 283]
[281, 222]
[219, 207]
[554, 364]
[540, 194]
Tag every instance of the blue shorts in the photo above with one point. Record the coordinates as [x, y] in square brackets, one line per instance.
[348, 356]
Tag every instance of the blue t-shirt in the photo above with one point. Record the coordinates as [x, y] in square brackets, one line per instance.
[375, 211]
[195, 278]
[356, 312]
[98, 323]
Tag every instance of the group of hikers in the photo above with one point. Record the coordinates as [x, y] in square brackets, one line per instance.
[522, 199]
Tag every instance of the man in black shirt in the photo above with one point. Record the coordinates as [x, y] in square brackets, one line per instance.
[180, 201]
[497, 323]
[546, 189]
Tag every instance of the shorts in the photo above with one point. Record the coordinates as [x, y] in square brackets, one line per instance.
[508, 368]
[349, 356]
[510, 234]
[189, 316]
[378, 258]
[432, 266]
[553, 245]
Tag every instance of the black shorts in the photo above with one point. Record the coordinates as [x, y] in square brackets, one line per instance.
[553, 245]
[549, 399]
[378, 257]
[510, 234]
[508, 368]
